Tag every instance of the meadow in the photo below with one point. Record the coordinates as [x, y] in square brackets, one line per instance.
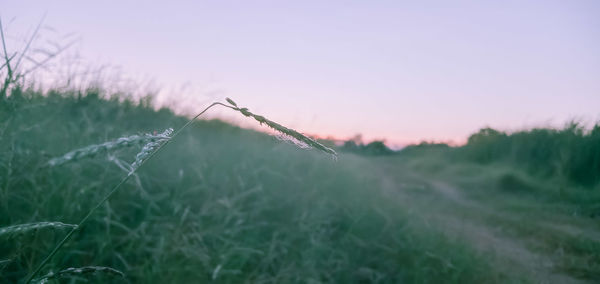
[225, 204]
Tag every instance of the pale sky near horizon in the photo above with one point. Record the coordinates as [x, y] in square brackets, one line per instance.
[403, 71]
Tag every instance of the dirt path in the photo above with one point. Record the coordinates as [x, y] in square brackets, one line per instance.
[510, 255]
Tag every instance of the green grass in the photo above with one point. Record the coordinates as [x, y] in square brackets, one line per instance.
[219, 203]
[549, 216]
[571, 153]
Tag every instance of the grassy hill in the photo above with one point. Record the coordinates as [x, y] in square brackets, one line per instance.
[231, 205]
[219, 203]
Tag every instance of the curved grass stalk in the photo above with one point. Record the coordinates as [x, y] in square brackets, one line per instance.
[304, 141]
[152, 150]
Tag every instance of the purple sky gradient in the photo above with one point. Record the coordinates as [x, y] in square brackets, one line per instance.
[399, 70]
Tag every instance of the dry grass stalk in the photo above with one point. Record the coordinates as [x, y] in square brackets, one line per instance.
[299, 139]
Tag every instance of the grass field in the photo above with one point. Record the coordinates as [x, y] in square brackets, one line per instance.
[231, 205]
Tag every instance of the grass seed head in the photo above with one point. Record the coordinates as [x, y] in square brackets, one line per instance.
[119, 143]
[20, 228]
[78, 271]
[150, 147]
[230, 101]
[288, 134]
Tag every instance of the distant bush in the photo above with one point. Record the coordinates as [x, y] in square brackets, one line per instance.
[375, 148]
[572, 153]
[429, 147]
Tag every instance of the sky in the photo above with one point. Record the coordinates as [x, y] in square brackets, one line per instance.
[403, 71]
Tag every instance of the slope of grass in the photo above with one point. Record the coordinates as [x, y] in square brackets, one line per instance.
[219, 203]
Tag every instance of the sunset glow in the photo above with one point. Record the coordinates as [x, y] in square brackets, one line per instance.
[393, 70]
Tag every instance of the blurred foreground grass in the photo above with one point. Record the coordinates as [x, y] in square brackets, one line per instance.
[220, 203]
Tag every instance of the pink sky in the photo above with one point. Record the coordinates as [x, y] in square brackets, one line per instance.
[395, 70]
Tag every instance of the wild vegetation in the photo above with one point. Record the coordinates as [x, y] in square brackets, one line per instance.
[375, 148]
[571, 153]
[218, 203]
[98, 187]
[227, 204]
